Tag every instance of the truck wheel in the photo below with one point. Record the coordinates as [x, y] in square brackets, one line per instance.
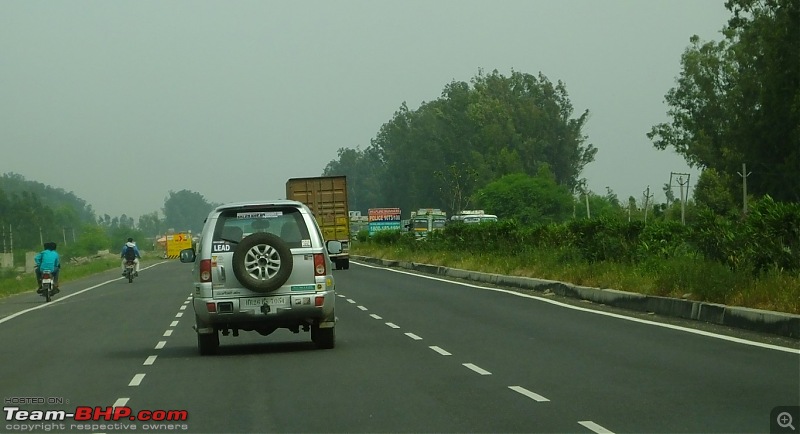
[262, 262]
[346, 264]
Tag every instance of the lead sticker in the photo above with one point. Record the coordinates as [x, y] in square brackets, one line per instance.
[221, 247]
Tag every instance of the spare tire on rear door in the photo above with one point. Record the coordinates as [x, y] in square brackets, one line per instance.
[262, 262]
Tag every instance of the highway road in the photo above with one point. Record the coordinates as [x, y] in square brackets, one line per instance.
[413, 354]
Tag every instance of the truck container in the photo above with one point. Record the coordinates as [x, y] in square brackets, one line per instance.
[326, 196]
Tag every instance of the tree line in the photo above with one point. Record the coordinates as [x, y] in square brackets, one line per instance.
[32, 213]
[513, 145]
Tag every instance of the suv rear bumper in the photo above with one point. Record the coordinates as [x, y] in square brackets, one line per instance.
[301, 309]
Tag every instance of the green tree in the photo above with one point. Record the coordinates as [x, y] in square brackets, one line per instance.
[186, 210]
[151, 225]
[737, 101]
[527, 199]
[712, 192]
[493, 126]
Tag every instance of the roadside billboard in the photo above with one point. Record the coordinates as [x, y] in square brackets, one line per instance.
[382, 219]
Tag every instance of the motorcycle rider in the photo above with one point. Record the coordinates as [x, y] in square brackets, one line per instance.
[47, 259]
[130, 253]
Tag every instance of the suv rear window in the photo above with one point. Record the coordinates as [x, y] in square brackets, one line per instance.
[286, 222]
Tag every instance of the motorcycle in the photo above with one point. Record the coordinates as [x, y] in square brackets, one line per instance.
[47, 290]
[130, 270]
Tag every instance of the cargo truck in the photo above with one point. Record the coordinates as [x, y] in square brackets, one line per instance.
[326, 196]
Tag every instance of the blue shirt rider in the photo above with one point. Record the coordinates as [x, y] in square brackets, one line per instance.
[130, 245]
[47, 259]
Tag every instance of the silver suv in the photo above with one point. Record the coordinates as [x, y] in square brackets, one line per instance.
[261, 266]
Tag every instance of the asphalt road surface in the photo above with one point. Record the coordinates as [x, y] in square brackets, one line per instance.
[413, 354]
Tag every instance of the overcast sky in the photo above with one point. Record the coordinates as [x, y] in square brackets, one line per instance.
[120, 102]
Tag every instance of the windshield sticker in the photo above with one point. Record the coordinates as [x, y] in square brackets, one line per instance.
[305, 243]
[259, 215]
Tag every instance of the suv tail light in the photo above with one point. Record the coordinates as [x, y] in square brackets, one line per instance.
[319, 264]
[205, 270]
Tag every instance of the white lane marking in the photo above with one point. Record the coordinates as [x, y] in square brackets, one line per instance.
[413, 336]
[150, 360]
[183, 307]
[137, 380]
[179, 314]
[595, 427]
[534, 396]
[120, 402]
[392, 325]
[340, 295]
[477, 369]
[160, 344]
[440, 351]
[362, 307]
[168, 333]
[597, 312]
[375, 316]
[173, 324]
[351, 301]
[189, 297]
[62, 298]
[186, 302]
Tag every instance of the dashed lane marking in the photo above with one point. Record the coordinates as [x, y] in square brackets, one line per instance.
[477, 369]
[137, 380]
[440, 351]
[523, 391]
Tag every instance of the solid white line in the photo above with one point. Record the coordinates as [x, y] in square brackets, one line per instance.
[440, 351]
[183, 307]
[595, 427]
[534, 396]
[413, 336]
[350, 300]
[160, 344]
[120, 402]
[392, 325]
[597, 312]
[168, 333]
[62, 298]
[173, 324]
[375, 316]
[179, 314]
[362, 307]
[150, 360]
[477, 369]
[137, 380]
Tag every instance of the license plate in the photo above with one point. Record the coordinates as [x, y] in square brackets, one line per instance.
[260, 301]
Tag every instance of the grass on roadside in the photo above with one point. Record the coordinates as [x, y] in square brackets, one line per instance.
[14, 283]
[692, 278]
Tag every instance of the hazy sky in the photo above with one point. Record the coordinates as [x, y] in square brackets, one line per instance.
[122, 101]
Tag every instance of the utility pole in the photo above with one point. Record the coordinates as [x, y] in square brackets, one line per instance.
[744, 174]
[647, 197]
[41, 240]
[586, 196]
[683, 200]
